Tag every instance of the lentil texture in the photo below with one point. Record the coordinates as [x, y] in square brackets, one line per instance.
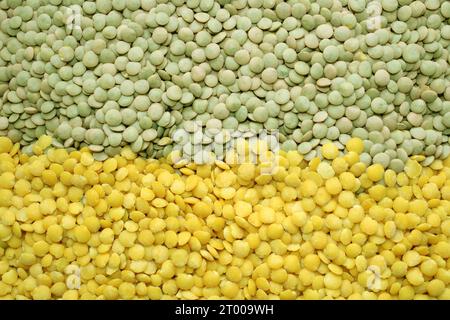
[72, 227]
[129, 168]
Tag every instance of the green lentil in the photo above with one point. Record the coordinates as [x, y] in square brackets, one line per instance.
[133, 76]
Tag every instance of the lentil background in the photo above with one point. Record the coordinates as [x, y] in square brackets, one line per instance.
[94, 203]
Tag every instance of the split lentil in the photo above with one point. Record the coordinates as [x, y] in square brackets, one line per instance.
[72, 227]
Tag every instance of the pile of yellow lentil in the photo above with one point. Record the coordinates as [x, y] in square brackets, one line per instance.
[134, 228]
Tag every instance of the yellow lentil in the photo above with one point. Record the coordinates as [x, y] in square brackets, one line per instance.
[355, 145]
[330, 151]
[134, 228]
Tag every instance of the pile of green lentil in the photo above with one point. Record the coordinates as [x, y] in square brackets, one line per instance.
[134, 71]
